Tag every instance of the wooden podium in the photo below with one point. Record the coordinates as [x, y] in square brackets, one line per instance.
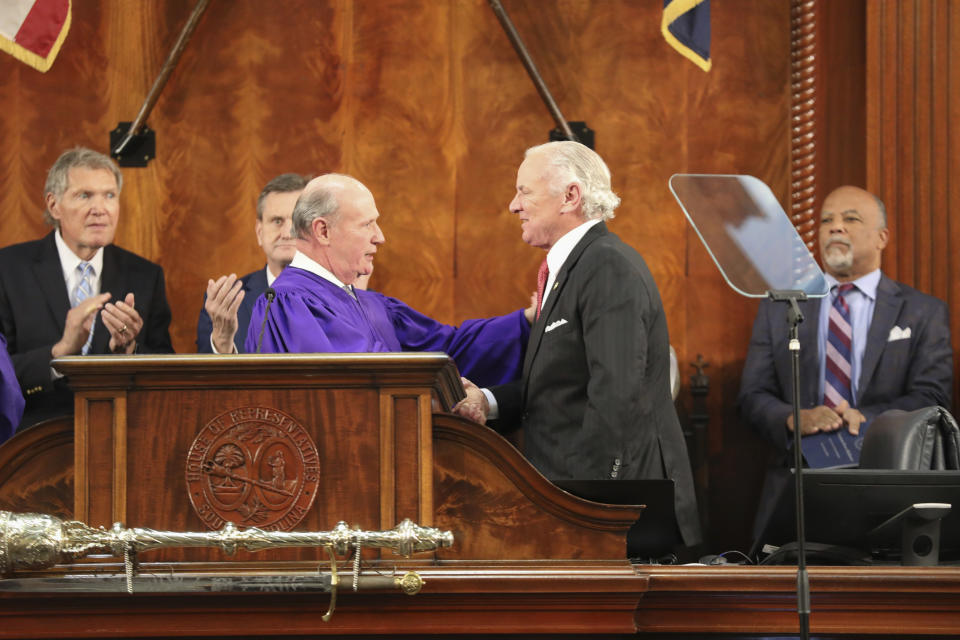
[300, 442]
[357, 431]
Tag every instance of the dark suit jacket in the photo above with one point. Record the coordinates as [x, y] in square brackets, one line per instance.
[594, 401]
[33, 308]
[907, 374]
[254, 284]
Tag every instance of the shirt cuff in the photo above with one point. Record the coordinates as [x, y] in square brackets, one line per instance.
[213, 347]
[494, 412]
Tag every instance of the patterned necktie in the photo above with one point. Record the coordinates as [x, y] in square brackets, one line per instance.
[836, 384]
[542, 276]
[81, 292]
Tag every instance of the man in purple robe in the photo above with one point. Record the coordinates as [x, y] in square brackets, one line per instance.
[317, 309]
[11, 399]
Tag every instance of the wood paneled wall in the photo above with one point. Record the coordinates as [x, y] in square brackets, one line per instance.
[913, 142]
[426, 102]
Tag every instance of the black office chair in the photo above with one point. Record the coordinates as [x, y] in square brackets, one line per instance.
[918, 440]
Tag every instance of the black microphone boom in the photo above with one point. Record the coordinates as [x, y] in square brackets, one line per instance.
[269, 293]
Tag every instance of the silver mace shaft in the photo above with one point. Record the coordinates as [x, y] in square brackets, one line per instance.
[37, 541]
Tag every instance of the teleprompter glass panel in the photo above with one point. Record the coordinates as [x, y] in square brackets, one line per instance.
[748, 235]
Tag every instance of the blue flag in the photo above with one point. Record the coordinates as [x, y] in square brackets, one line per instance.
[686, 27]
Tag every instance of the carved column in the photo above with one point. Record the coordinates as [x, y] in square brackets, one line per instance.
[803, 112]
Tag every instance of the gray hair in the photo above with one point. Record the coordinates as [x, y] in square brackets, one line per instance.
[883, 211]
[283, 183]
[58, 178]
[573, 162]
[319, 201]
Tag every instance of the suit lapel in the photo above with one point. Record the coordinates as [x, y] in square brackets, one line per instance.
[49, 273]
[537, 330]
[808, 333]
[254, 286]
[885, 314]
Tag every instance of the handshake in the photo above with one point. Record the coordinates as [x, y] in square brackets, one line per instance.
[475, 406]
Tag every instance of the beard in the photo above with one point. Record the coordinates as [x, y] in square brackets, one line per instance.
[836, 258]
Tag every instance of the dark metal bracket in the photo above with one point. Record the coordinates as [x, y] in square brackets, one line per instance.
[581, 133]
[138, 149]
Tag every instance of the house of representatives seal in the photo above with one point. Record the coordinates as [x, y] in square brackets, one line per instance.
[254, 467]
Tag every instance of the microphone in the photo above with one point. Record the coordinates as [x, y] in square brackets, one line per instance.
[270, 293]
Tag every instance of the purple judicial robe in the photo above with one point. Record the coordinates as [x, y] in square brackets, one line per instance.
[312, 315]
[11, 399]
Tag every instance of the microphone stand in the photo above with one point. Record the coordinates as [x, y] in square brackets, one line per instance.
[794, 318]
[270, 294]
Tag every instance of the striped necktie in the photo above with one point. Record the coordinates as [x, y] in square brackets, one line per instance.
[81, 292]
[836, 384]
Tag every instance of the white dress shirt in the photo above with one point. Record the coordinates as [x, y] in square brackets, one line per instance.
[69, 261]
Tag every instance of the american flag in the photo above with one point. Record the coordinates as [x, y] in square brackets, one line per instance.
[33, 30]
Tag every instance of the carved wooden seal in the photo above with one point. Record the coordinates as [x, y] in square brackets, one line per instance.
[254, 467]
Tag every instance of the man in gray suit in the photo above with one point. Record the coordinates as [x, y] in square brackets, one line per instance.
[900, 354]
[594, 401]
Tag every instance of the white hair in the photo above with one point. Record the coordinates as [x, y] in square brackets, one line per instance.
[572, 162]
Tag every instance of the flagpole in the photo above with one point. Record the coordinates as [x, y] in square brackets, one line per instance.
[531, 68]
[165, 72]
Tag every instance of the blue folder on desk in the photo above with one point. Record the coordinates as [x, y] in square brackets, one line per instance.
[834, 449]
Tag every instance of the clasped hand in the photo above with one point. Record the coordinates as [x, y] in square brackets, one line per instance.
[823, 419]
[121, 319]
[224, 296]
[124, 324]
[76, 326]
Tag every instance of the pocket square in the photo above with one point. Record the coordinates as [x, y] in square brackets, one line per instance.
[554, 325]
[898, 334]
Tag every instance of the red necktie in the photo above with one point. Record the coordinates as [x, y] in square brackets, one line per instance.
[542, 275]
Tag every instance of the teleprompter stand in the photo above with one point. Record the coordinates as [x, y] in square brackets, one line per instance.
[794, 318]
[760, 255]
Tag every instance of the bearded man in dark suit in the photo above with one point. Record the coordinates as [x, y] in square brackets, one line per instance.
[898, 342]
[73, 292]
[594, 402]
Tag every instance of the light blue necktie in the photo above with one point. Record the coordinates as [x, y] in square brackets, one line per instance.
[84, 290]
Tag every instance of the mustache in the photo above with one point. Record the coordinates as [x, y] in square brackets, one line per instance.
[842, 241]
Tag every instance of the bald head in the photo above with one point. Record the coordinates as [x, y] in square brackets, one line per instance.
[321, 199]
[335, 221]
[853, 233]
